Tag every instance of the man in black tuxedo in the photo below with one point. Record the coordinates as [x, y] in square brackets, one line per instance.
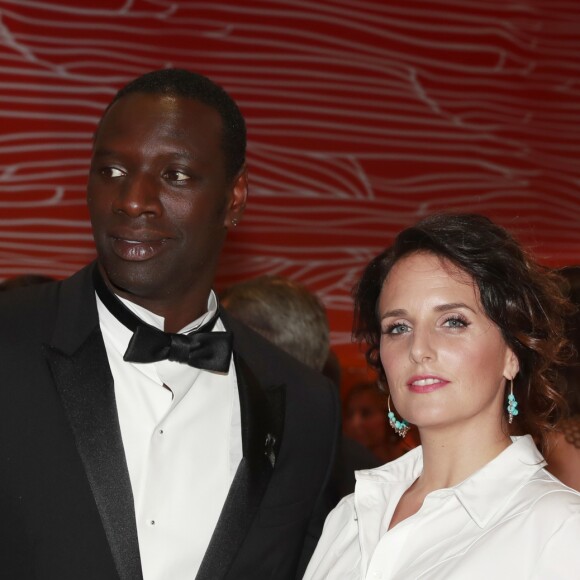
[144, 433]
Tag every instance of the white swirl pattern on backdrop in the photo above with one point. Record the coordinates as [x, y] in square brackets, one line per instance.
[362, 117]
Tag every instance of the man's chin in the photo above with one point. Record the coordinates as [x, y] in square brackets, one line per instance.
[135, 280]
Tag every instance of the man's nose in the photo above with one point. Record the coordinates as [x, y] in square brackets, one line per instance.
[138, 195]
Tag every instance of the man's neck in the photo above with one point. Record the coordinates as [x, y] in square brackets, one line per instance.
[178, 324]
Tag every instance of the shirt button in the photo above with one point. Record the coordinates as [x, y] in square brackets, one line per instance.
[152, 523]
[160, 431]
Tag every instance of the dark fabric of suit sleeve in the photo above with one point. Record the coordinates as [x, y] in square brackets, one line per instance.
[323, 503]
[51, 527]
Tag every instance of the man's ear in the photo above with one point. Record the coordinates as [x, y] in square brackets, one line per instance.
[238, 198]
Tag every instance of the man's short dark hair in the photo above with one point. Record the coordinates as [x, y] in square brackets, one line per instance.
[190, 85]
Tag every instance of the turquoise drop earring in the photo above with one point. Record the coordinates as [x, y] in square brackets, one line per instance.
[401, 427]
[512, 405]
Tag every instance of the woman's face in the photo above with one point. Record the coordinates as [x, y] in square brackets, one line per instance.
[365, 419]
[446, 363]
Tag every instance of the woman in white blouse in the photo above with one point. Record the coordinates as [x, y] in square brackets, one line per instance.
[467, 330]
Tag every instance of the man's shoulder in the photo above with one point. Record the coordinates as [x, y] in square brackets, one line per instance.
[37, 304]
[28, 301]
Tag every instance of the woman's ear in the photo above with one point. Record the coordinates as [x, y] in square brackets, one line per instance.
[512, 365]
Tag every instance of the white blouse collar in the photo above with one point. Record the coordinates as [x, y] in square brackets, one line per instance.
[484, 492]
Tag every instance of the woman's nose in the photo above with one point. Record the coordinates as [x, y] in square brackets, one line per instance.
[422, 347]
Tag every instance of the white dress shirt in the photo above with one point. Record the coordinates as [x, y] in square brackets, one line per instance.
[511, 519]
[181, 433]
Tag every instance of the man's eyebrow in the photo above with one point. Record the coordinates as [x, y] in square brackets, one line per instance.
[182, 154]
[439, 308]
[173, 154]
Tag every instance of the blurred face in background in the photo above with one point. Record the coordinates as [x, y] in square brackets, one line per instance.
[365, 418]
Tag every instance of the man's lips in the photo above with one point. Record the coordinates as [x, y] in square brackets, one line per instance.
[137, 248]
[426, 383]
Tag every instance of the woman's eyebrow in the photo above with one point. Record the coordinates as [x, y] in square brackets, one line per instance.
[452, 306]
[394, 313]
[439, 308]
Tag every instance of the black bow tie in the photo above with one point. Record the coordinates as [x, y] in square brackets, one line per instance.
[201, 348]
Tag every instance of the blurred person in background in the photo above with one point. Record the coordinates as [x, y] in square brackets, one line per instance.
[365, 419]
[563, 452]
[284, 312]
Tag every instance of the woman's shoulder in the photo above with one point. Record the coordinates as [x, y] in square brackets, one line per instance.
[517, 487]
[342, 523]
[337, 554]
[548, 499]
[344, 509]
[403, 469]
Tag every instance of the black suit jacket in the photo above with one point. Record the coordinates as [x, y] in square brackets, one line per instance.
[66, 504]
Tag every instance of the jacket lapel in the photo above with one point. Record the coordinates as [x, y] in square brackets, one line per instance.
[262, 414]
[79, 364]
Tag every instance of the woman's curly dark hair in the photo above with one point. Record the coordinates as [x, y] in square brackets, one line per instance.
[570, 376]
[520, 296]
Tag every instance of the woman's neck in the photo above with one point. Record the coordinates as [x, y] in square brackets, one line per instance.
[451, 455]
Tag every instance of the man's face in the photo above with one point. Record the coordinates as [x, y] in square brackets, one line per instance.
[158, 196]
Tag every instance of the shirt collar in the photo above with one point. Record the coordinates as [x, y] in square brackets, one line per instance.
[119, 335]
[490, 488]
[484, 492]
[159, 322]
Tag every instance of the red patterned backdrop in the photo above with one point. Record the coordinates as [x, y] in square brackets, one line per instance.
[362, 116]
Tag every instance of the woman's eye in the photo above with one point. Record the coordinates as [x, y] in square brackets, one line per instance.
[397, 328]
[112, 172]
[175, 175]
[455, 322]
